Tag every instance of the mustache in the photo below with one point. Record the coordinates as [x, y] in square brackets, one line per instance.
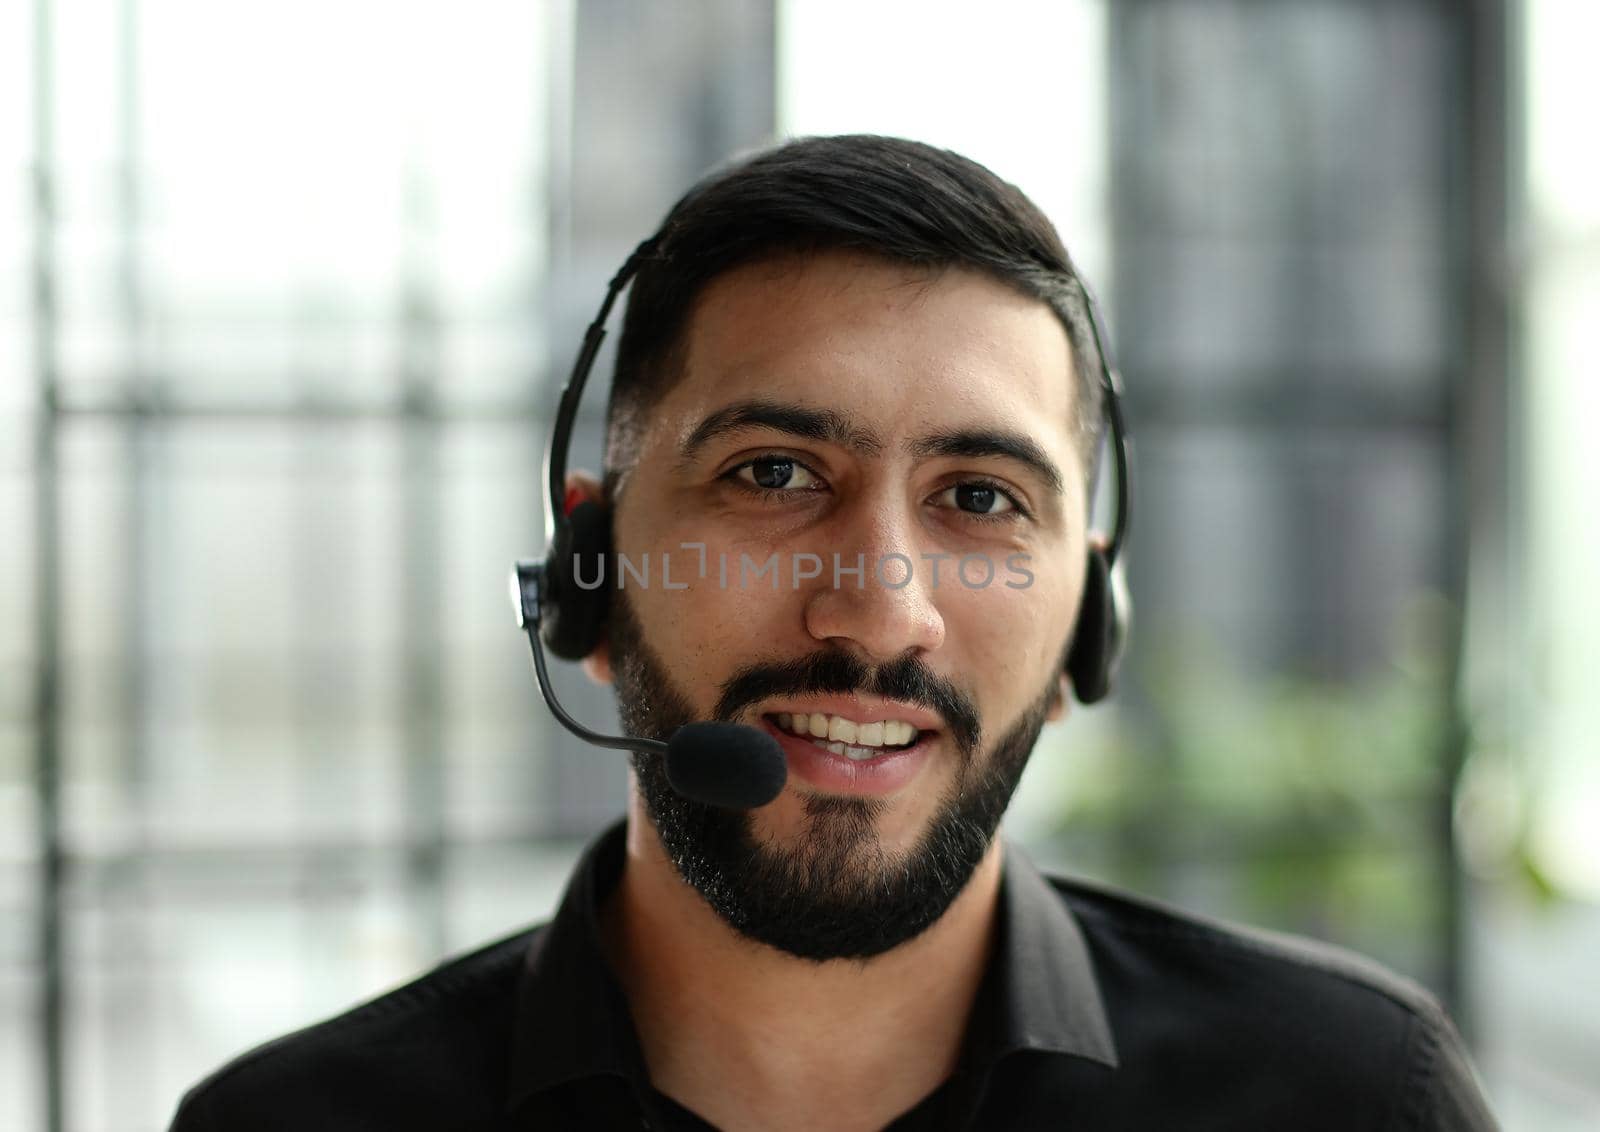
[837, 672]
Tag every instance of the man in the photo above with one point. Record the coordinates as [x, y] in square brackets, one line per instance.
[866, 353]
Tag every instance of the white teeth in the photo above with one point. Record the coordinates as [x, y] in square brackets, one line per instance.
[855, 754]
[833, 730]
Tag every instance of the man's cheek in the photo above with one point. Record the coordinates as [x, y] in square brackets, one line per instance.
[707, 633]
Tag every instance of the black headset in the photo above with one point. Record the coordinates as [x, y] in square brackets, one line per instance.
[571, 618]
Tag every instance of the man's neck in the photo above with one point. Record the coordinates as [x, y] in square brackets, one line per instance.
[750, 1037]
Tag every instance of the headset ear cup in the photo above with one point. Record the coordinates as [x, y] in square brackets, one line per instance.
[1095, 641]
[575, 615]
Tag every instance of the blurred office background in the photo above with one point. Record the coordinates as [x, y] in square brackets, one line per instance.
[286, 292]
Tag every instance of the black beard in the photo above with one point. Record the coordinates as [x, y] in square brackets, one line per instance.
[835, 894]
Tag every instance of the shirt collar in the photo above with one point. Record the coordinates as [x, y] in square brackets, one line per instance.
[572, 1018]
[1040, 992]
[1048, 997]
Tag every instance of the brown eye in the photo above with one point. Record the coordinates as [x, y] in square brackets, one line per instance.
[776, 473]
[978, 498]
[772, 473]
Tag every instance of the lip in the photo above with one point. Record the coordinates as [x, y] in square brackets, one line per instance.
[858, 709]
[836, 774]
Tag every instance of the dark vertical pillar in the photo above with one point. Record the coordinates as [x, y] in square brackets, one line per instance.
[1481, 409]
[1307, 210]
[424, 591]
[128, 889]
[47, 582]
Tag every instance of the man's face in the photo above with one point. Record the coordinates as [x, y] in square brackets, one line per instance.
[832, 407]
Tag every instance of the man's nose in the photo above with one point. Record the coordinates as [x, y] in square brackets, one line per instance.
[874, 593]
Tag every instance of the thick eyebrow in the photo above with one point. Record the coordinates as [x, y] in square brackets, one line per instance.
[981, 442]
[796, 420]
[836, 428]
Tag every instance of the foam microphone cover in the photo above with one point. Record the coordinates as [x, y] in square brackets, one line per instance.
[726, 764]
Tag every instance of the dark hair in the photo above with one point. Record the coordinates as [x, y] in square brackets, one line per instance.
[901, 200]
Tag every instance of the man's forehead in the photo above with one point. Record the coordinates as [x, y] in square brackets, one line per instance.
[889, 348]
[805, 293]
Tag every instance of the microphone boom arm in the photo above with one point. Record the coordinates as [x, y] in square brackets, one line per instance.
[527, 579]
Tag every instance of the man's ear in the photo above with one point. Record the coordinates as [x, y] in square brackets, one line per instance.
[1058, 706]
[583, 487]
[598, 663]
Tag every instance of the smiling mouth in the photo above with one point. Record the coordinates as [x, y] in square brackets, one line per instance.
[858, 742]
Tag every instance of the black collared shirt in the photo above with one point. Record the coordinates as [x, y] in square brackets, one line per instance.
[1098, 1011]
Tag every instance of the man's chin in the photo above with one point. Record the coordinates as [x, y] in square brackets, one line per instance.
[815, 825]
[827, 888]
